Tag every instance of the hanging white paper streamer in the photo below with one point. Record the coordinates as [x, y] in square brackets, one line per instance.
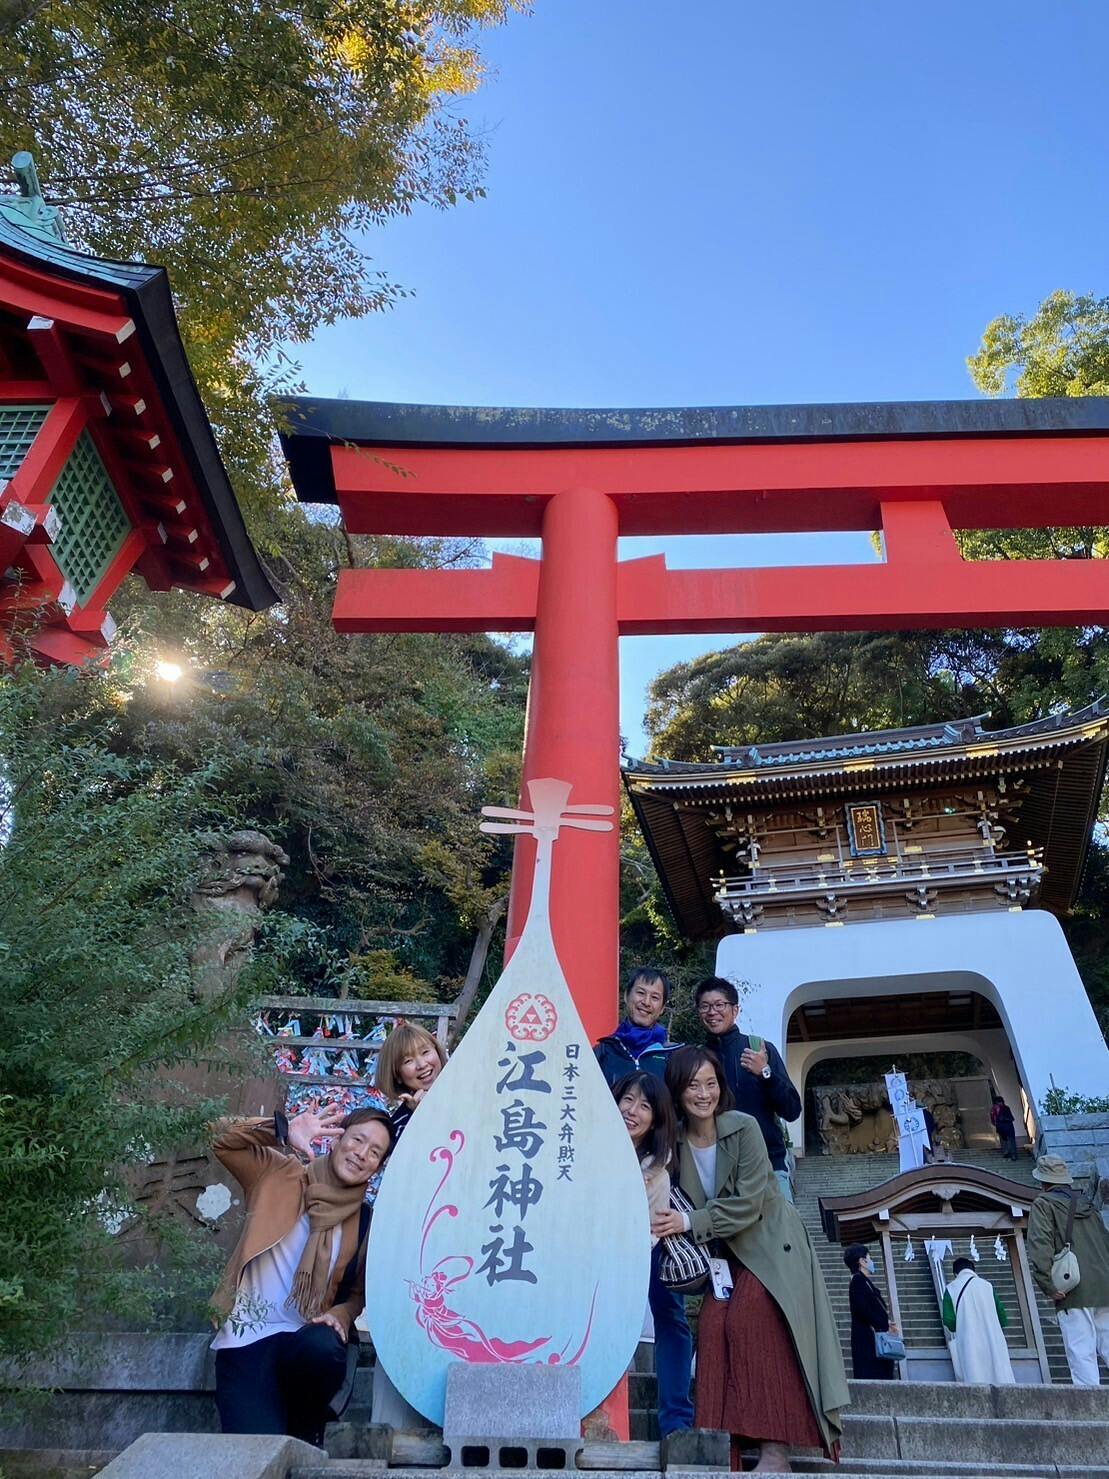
[938, 1248]
[910, 1251]
[999, 1250]
[974, 1249]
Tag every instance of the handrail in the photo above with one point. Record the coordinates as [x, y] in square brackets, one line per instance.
[936, 868]
[328, 1006]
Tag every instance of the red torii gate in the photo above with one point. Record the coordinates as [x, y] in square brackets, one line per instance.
[579, 479]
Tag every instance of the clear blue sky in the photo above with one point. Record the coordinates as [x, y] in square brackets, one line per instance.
[739, 203]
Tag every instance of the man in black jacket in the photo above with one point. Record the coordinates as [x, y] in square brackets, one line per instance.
[640, 1042]
[753, 1069]
[640, 1045]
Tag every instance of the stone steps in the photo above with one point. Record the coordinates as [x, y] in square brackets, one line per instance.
[819, 1176]
[857, 1469]
[892, 1428]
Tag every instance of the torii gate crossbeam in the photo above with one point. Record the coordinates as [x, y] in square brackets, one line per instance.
[580, 479]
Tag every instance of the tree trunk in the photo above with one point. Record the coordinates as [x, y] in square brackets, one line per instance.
[478, 954]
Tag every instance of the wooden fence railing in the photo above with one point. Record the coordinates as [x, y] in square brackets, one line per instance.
[325, 1043]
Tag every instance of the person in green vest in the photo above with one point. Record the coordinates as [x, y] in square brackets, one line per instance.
[975, 1317]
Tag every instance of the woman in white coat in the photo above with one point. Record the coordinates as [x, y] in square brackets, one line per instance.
[975, 1317]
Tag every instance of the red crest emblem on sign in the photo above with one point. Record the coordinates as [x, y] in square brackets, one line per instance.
[530, 1017]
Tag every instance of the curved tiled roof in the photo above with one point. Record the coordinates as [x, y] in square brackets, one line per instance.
[146, 292]
[921, 738]
[1063, 757]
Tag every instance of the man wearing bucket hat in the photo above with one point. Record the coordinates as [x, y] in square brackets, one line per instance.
[1079, 1285]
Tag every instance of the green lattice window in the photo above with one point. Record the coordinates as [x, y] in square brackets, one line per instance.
[18, 428]
[94, 524]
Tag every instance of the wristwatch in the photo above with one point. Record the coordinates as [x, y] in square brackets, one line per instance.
[766, 1071]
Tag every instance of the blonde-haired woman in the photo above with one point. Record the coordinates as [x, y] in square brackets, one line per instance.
[409, 1063]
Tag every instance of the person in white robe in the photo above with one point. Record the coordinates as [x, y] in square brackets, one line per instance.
[975, 1318]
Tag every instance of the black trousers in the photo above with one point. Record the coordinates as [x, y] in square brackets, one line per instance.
[282, 1384]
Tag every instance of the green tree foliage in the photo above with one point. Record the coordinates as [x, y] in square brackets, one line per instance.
[1061, 350]
[783, 687]
[251, 152]
[98, 1007]
[366, 758]
[244, 146]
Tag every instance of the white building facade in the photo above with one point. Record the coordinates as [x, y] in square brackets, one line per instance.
[886, 894]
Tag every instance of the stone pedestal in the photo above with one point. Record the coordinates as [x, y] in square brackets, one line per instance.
[507, 1416]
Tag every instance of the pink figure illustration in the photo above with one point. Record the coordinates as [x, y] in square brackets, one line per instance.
[455, 1333]
[447, 1328]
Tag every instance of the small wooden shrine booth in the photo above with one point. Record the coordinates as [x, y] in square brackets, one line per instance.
[949, 1203]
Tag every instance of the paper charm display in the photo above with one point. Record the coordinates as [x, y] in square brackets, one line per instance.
[972, 1252]
[910, 1251]
[999, 1250]
[512, 1221]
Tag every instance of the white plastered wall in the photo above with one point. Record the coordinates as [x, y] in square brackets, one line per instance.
[1018, 961]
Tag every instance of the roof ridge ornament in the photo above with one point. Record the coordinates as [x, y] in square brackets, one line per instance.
[29, 208]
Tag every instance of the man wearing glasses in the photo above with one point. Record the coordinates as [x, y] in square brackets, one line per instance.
[753, 1068]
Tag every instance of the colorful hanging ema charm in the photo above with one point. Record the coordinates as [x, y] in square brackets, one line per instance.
[512, 1222]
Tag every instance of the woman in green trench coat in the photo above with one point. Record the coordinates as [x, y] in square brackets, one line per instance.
[769, 1364]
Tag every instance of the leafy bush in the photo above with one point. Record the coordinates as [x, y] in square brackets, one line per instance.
[98, 854]
[1063, 1101]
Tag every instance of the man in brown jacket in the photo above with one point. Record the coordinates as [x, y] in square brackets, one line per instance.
[293, 1287]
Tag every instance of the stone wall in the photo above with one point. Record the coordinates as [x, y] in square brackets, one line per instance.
[1083, 1142]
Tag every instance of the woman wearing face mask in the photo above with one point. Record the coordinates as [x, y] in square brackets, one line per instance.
[868, 1313]
[646, 1109]
[409, 1063]
[769, 1368]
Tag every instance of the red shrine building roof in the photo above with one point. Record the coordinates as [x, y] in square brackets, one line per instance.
[108, 463]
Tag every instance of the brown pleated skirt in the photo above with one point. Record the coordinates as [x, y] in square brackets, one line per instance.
[749, 1381]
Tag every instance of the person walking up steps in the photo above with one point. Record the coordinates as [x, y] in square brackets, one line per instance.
[1084, 1312]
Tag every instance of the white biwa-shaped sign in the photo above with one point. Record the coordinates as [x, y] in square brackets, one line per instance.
[512, 1223]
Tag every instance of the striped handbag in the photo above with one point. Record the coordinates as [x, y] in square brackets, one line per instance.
[684, 1264]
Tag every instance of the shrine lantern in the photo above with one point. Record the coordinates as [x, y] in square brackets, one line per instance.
[108, 463]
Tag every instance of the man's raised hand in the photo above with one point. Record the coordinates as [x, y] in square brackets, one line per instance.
[314, 1123]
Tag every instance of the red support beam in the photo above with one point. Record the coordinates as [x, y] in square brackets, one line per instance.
[917, 534]
[915, 590]
[25, 392]
[983, 483]
[83, 308]
[573, 727]
[130, 551]
[502, 599]
[881, 597]
[55, 356]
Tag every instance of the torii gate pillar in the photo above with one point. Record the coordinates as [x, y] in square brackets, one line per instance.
[573, 725]
[915, 472]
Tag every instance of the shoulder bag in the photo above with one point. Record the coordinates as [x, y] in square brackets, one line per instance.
[888, 1346]
[684, 1264]
[1065, 1273]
